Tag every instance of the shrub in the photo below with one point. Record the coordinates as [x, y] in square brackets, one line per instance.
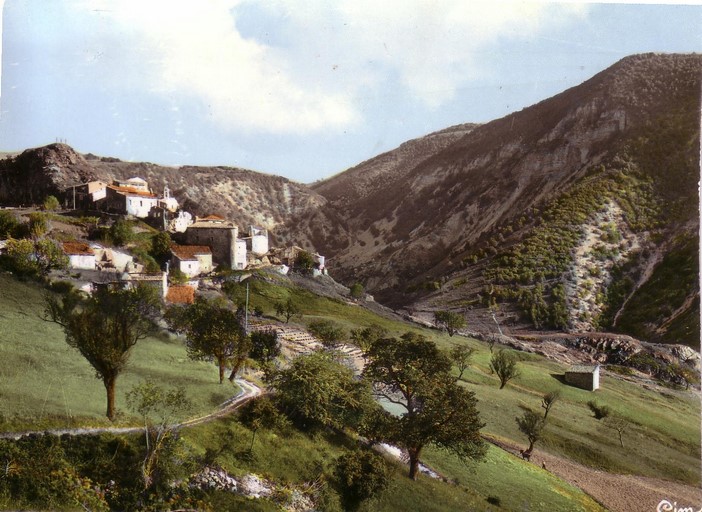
[600, 411]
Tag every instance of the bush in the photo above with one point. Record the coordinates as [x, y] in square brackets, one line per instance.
[51, 203]
[600, 411]
[361, 475]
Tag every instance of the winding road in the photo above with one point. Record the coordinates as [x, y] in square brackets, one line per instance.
[248, 391]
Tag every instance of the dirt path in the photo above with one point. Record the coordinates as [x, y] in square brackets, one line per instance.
[248, 391]
[619, 493]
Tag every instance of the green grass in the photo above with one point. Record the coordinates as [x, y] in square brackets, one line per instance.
[44, 382]
[664, 440]
[292, 457]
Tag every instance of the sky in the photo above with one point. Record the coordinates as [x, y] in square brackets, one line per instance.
[299, 88]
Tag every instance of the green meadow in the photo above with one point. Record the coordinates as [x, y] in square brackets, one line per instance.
[45, 383]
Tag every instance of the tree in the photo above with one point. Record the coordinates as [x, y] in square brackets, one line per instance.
[532, 426]
[265, 346]
[213, 332]
[304, 262]
[548, 400]
[317, 390]
[413, 373]
[105, 327]
[258, 413]
[361, 475]
[460, 356]
[364, 338]
[329, 333]
[450, 321]
[356, 291]
[51, 203]
[504, 365]
[34, 257]
[158, 409]
[288, 309]
[161, 247]
[9, 225]
[121, 232]
[619, 424]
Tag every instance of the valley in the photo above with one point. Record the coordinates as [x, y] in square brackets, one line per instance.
[563, 237]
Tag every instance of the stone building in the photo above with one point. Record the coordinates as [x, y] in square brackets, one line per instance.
[583, 376]
[80, 255]
[221, 237]
[191, 260]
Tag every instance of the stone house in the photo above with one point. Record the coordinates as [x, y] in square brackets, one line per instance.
[191, 260]
[87, 196]
[583, 376]
[130, 200]
[80, 255]
[221, 236]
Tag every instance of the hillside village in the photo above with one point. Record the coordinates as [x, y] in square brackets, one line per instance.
[199, 245]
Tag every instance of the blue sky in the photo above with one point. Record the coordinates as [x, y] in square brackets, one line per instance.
[304, 89]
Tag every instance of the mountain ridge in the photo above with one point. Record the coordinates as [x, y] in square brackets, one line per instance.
[439, 222]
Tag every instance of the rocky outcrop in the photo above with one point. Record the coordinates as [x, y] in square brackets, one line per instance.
[36, 173]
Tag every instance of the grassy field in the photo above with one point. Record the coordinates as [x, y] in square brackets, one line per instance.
[293, 458]
[44, 382]
[663, 439]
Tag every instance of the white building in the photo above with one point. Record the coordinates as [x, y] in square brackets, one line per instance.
[80, 255]
[240, 255]
[259, 240]
[191, 260]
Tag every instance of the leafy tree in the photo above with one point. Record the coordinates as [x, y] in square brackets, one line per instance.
[265, 346]
[213, 332]
[121, 232]
[161, 247]
[177, 276]
[31, 258]
[461, 356]
[51, 203]
[532, 426]
[504, 365]
[329, 333]
[158, 409]
[413, 373]
[450, 321]
[9, 225]
[364, 338]
[258, 413]
[304, 262]
[288, 309]
[105, 327]
[548, 400]
[317, 390]
[361, 475]
[356, 291]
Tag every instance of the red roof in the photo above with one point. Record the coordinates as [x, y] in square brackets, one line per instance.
[189, 252]
[77, 248]
[181, 294]
[211, 217]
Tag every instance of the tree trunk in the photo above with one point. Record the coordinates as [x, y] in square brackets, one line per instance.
[414, 462]
[220, 363]
[110, 382]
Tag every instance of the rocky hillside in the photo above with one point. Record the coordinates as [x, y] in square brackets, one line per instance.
[555, 217]
[579, 213]
[244, 196]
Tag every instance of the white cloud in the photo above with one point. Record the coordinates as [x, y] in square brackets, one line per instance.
[333, 53]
